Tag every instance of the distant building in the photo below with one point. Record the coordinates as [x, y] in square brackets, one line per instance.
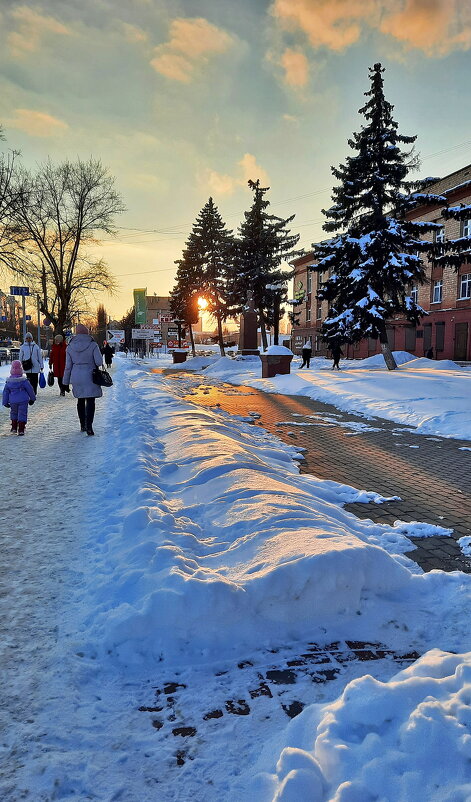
[446, 295]
[157, 305]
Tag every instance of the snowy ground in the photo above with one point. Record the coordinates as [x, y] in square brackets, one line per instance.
[430, 395]
[184, 546]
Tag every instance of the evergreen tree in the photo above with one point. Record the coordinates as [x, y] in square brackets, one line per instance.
[375, 256]
[205, 263]
[456, 252]
[295, 302]
[264, 242]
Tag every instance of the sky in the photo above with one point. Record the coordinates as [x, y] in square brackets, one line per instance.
[187, 99]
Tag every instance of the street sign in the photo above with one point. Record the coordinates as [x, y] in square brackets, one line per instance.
[172, 344]
[46, 322]
[142, 334]
[166, 318]
[19, 290]
[158, 345]
[115, 336]
[172, 332]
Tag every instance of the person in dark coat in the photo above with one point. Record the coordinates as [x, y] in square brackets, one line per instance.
[17, 394]
[306, 353]
[107, 352]
[429, 353]
[57, 360]
[82, 357]
[336, 352]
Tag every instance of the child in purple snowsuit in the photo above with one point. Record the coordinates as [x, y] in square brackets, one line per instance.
[17, 394]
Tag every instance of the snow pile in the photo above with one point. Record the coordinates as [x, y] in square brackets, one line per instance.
[218, 525]
[406, 739]
[377, 360]
[279, 350]
[196, 363]
[431, 395]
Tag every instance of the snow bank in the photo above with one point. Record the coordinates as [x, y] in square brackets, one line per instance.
[406, 739]
[195, 363]
[431, 395]
[219, 526]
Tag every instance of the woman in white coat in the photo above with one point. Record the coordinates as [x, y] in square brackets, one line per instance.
[31, 358]
[82, 357]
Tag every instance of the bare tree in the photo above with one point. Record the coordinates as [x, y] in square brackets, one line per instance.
[58, 213]
[8, 197]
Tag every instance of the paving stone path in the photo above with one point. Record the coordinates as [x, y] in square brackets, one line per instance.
[431, 474]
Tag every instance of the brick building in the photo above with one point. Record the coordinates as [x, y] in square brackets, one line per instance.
[446, 295]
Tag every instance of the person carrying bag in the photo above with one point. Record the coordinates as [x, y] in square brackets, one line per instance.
[31, 360]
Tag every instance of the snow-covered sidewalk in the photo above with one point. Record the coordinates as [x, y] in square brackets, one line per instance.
[192, 543]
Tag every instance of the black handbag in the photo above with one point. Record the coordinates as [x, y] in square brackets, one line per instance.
[102, 378]
[50, 379]
[28, 363]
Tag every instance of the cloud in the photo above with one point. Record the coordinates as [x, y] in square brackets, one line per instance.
[32, 27]
[436, 27]
[191, 44]
[223, 184]
[335, 24]
[296, 67]
[36, 123]
[134, 34]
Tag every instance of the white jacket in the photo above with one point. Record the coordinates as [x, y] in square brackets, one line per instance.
[30, 350]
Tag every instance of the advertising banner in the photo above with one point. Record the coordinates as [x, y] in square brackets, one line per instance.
[115, 336]
[140, 306]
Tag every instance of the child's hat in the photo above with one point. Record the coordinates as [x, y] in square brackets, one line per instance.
[16, 368]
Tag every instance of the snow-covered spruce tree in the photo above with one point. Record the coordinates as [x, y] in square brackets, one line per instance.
[295, 302]
[374, 258]
[456, 252]
[184, 304]
[263, 243]
[206, 261]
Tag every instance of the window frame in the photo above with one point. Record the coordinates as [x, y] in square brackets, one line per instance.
[437, 285]
[466, 278]
[439, 234]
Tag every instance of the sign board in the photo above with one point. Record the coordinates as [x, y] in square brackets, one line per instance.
[172, 332]
[158, 345]
[28, 317]
[154, 326]
[115, 336]
[172, 344]
[142, 334]
[166, 318]
[140, 306]
[46, 322]
[19, 290]
[155, 321]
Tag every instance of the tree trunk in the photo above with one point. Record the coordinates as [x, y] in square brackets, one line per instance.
[192, 340]
[276, 319]
[263, 331]
[385, 349]
[220, 337]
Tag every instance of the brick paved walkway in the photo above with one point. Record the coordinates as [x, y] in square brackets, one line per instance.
[430, 474]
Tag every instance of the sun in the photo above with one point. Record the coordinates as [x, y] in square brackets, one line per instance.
[202, 304]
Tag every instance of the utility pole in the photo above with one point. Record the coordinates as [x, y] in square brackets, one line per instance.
[39, 321]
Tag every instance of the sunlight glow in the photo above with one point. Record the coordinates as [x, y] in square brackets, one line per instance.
[202, 304]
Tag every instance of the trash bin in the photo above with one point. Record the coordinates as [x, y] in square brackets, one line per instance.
[276, 360]
[179, 355]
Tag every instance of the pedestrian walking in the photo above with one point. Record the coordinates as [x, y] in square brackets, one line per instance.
[17, 394]
[57, 360]
[429, 353]
[82, 357]
[31, 359]
[306, 353]
[336, 352]
[107, 352]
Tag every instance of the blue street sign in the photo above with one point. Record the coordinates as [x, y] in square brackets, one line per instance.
[28, 317]
[19, 290]
[3, 318]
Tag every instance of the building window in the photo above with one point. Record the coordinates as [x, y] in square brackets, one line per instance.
[410, 338]
[465, 285]
[308, 314]
[466, 228]
[414, 294]
[437, 291]
[440, 234]
[309, 282]
[319, 312]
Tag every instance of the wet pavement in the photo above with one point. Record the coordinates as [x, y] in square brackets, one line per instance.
[431, 474]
